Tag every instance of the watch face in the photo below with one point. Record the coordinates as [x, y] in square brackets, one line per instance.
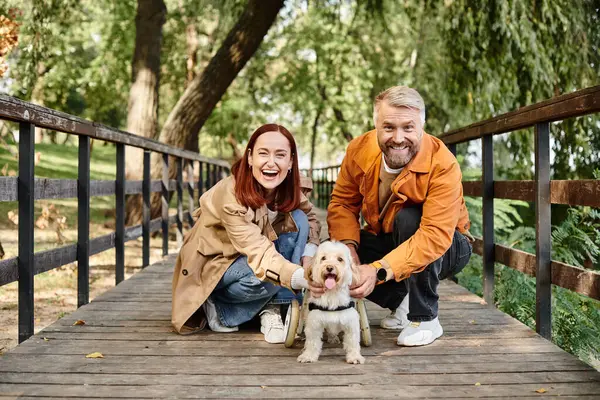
[381, 274]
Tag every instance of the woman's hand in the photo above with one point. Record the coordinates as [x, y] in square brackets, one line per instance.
[316, 290]
[306, 262]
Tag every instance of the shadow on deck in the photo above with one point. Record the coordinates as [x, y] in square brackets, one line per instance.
[483, 353]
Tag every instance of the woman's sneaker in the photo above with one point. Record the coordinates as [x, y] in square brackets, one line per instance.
[214, 323]
[271, 325]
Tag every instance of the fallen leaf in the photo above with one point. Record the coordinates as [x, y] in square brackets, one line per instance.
[542, 390]
[472, 321]
[79, 322]
[94, 355]
[46, 339]
[13, 216]
[263, 386]
[477, 384]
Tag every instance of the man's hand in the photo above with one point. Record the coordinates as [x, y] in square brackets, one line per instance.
[368, 279]
[353, 253]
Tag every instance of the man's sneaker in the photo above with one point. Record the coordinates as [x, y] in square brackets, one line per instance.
[420, 333]
[398, 319]
[271, 325]
[214, 323]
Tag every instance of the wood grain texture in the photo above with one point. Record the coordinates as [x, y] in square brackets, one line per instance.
[17, 110]
[580, 280]
[581, 102]
[50, 259]
[574, 193]
[144, 358]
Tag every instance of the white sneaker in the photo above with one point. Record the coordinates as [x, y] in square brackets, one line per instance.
[271, 325]
[214, 323]
[398, 319]
[420, 333]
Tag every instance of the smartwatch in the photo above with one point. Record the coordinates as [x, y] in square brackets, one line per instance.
[381, 273]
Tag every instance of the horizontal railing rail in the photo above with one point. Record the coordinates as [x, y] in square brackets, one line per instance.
[21, 111]
[576, 104]
[542, 191]
[26, 189]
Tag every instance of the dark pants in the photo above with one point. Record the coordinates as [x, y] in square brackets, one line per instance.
[421, 287]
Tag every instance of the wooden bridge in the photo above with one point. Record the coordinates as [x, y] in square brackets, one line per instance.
[483, 354]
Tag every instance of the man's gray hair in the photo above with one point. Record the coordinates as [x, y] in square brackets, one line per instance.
[400, 96]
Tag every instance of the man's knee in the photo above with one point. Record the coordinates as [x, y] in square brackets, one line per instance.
[406, 223]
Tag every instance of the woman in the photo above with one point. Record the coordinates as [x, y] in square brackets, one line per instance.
[241, 257]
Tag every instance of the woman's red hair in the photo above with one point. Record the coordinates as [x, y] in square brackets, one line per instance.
[250, 193]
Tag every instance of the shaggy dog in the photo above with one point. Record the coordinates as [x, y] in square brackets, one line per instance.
[334, 311]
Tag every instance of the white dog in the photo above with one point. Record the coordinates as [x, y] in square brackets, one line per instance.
[334, 311]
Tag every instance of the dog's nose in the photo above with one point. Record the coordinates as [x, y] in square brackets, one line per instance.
[329, 269]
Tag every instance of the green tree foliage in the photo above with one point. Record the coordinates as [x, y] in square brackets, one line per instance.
[73, 57]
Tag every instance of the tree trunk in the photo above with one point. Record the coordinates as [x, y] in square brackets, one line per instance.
[142, 117]
[204, 92]
[191, 37]
[313, 141]
[339, 116]
[235, 148]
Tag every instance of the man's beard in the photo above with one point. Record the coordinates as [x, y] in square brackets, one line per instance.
[395, 161]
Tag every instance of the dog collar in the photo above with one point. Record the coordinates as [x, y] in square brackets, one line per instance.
[312, 306]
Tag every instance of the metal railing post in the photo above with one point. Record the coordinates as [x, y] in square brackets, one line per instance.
[146, 211]
[25, 196]
[488, 218]
[165, 204]
[83, 222]
[179, 163]
[543, 229]
[120, 216]
[190, 186]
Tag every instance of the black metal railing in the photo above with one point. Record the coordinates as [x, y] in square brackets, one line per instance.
[25, 189]
[542, 191]
[323, 181]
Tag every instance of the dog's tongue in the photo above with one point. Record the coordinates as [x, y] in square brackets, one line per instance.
[330, 283]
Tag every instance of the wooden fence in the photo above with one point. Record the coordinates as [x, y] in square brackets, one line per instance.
[26, 189]
[542, 191]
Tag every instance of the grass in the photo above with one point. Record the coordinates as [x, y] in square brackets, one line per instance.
[56, 290]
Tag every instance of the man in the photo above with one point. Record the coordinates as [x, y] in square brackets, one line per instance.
[408, 186]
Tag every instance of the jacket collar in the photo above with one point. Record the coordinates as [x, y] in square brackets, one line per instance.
[422, 160]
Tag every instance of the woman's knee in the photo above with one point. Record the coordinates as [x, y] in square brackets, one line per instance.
[300, 218]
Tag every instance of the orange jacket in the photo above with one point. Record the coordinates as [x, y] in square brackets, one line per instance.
[432, 178]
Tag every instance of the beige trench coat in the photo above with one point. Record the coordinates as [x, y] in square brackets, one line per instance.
[223, 231]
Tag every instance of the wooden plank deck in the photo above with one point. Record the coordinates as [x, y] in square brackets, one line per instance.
[483, 353]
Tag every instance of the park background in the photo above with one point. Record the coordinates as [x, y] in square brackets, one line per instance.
[202, 75]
